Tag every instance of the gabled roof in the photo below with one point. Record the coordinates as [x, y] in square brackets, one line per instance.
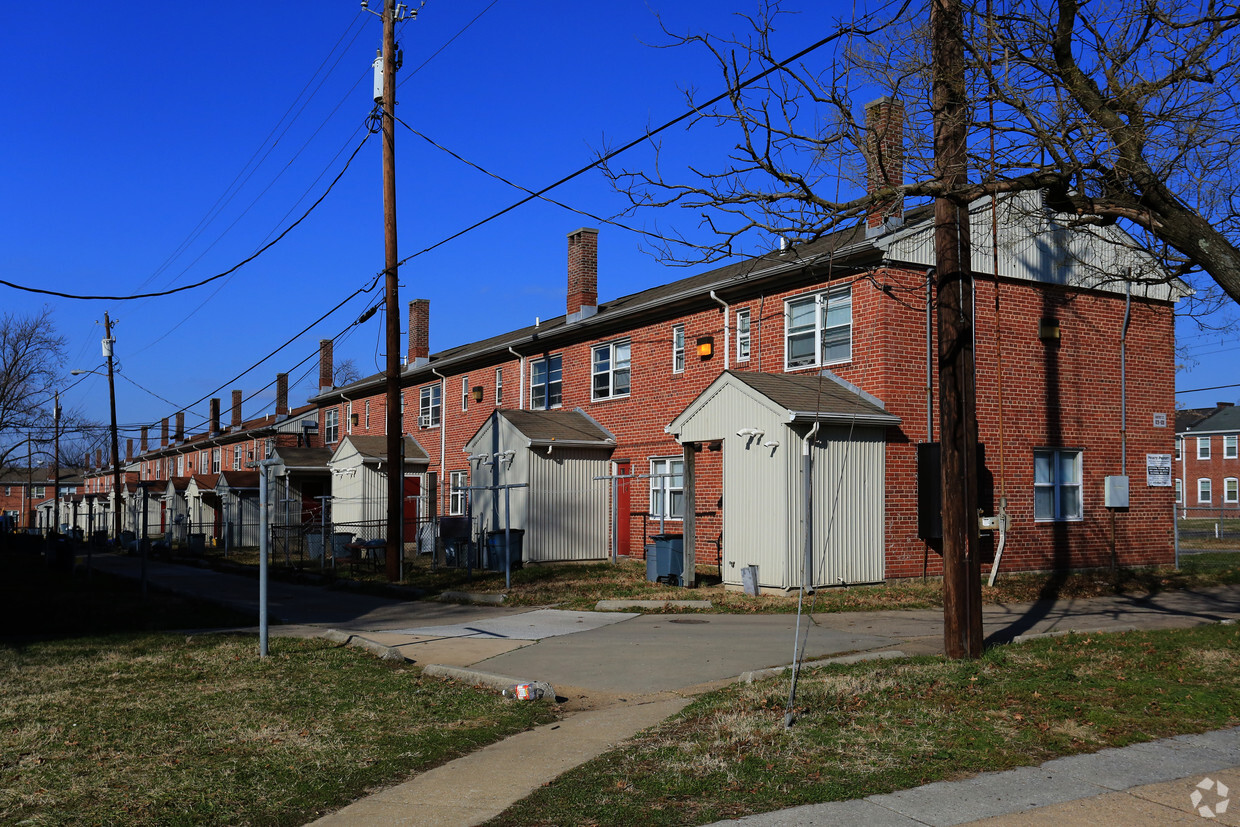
[375, 447]
[1223, 417]
[238, 479]
[546, 427]
[303, 457]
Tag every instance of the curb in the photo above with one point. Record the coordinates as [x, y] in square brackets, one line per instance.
[1066, 632]
[472, 597]
[614, 605]
[378, 649]
[774, 671]
[487, 679]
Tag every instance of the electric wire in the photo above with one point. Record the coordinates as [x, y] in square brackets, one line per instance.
[448, 43]
[217, 276]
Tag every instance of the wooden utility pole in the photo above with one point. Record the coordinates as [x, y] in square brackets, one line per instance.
[108, 343]
[395, 428]
[56, 463]
[962, 580]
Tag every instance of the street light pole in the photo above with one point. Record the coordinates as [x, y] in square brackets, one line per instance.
[108, 342]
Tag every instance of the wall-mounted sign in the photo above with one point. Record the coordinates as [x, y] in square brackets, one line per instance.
[1158, 470]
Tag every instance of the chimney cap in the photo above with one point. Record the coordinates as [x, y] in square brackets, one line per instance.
[579, 230]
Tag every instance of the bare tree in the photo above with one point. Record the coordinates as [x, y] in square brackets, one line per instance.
[1122, 112]
[31, 363]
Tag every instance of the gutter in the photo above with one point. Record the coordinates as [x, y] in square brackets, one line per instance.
[860, 419]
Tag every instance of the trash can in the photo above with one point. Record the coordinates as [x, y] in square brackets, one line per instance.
[340, 541]
[314, 543]
[60, 554]
[197, 543]
[495, 549]
[669, 557]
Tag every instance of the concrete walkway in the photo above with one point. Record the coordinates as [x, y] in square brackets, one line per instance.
[618, 673]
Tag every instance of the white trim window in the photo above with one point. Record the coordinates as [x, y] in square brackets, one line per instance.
[430, 400]
[742, 335]
[348, 418]
[458, 495]
[667, 493]
[215, 460]
[180, 465]
[1205, 490]
[1179, 491]
[1230, 447]
[237, 457]
[203, 463]
[464, 393]
[1057, 484]
[366, 411]
[499, 387]
[1179, 448]
[818, 329]
[38, 491]
[610, 370]
[678, 348]
[1203, 447]
[546, 382]
[331, 425]
[1231, 491]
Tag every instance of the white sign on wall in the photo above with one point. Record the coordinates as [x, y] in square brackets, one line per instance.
[1158, 470]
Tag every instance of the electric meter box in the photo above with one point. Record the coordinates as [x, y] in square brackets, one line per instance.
[1116, 495]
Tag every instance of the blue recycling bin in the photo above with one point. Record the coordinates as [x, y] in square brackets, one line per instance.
[495, 549]
[669, 558]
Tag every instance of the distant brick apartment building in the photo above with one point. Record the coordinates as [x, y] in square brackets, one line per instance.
[1207, 458]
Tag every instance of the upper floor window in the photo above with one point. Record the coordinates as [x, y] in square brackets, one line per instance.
[215, 460]
[678, 348]
[180, 465]
[331, 425]
[1203, 447]
[546, 382]
[459, 481]
[204, 460]
[348, 418]
[1205, 490]
[464, 393]
[1229, 446]
[366, 412]
[237, 460]
[499, 386]
[38, 491]
[430, 400]
[742, 335]
[611, 370]
[1179, 444]
[818, 329]
[1056, 484]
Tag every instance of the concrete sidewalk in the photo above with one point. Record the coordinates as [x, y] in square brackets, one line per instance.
[1144, 784]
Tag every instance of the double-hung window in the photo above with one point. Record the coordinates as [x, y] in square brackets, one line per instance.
[678, 348]
[180, 465]
[429, 404]
[667, 487]
[499, 387]
[1179, 444]
[1056, 484]
[331, 425]
[1179, 490]
[1205, 490]
[203, 463]
[237, 458]
[742, 335]
[367, 414]
[1229, 447]
[37, 491]
[546, 382]
[464, 393]
[348, 418]
[610, 370]
[215, 460]
[1231, 491]
[1203, 447]
[818, 329]
[459, 482]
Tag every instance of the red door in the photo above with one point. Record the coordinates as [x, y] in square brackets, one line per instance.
[623, 468]
[413, 488]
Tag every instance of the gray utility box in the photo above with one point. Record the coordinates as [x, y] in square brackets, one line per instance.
[1116, 492]
[665, 559]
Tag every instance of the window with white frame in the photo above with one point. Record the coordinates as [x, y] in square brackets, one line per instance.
[1203, 447]
[1057, 484]
[464, 393]
[203, 462]
[1205, 490]
[237, 461]
[8, 490]
[678, 348]
[430, 401]
[1229, 447]
[38, 491]
[610, 369]
[667, 487]
[366, 413]
[499, 386]
[546, 382]
[818, 329]
[1179, 490]
[215, 460]
[180, 465]
[331, 425]
[1179, 445]
[348, 418]
[742, 335]
[1231, 490]
[459, 481]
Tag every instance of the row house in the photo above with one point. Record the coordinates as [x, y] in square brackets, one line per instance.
[699, 406]
[1207, 459]
[27, 494]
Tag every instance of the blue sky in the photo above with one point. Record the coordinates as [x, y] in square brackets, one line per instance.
[126, 130]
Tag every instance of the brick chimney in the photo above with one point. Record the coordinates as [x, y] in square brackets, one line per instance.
[163, 433]
[179, 436]
[129, 450]
[582, 274]
[884, 156]
[419, 332]
[236, 409]
[99, 458]
[215, 416]
[281, 394]
[142, 444]
[326, 373]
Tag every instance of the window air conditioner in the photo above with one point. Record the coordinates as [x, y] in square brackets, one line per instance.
[424, 421]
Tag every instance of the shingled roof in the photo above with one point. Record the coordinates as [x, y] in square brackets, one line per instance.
[812, 396]
[543, 427]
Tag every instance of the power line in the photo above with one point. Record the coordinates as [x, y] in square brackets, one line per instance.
[217, 276]
[1214, 388]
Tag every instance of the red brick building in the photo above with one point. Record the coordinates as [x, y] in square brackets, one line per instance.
[1207, 460]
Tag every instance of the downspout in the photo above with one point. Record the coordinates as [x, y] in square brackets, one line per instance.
[806, 459]
[520, 377]
[443, 427]
[1123, 380]
[727, 330]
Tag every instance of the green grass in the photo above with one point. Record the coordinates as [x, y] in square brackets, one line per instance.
[889, 725]
[138, 727]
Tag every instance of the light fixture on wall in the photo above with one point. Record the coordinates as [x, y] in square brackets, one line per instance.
[1048, 329]
[705, 346]
[476, 393]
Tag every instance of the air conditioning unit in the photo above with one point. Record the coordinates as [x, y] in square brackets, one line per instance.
[424, 421]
